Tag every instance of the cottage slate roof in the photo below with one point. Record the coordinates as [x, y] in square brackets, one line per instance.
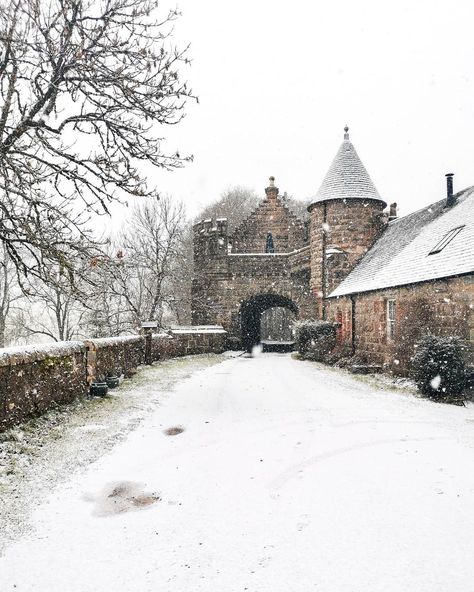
[347, 177]
[401, 255]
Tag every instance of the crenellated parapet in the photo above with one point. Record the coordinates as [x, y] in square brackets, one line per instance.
[211, 240]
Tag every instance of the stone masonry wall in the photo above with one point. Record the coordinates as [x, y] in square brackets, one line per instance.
[218, 295]
[36, 378]
[272, 215]
[442, 307]
[341, 232]
[114, 356]
[230, 270]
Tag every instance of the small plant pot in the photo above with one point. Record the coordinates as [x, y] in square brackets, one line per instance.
[112, 381]
[98, 389]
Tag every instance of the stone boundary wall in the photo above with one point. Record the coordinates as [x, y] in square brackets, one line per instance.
[113, 356]
[36, 378]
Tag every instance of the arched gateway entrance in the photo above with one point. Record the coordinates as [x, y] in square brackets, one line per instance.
[251, 312]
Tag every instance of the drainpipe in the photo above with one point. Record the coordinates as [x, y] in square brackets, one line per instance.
[324, 264]
[353, 324]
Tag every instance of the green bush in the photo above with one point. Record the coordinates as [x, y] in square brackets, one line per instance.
[438, 367]
[314, 339]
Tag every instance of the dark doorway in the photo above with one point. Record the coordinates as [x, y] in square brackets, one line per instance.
[251, 316]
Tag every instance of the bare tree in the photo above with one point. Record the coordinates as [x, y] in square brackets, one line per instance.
[107, 314]
[141, 275]
[9, 292]
[235, 204]
[56, 309]
[85, 86]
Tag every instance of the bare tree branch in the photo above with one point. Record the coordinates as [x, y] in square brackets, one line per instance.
[138, 277]
[85, 86]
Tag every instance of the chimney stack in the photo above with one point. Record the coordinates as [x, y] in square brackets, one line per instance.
[393, 212]
[450, 199]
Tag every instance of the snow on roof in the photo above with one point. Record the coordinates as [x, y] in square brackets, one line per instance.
[347, 178]
[402, 254]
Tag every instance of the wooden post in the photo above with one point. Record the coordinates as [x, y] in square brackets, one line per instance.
[147, 327]
[148, 342]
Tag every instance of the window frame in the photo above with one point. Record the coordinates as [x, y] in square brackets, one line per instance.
[447, 238]
[391, 318]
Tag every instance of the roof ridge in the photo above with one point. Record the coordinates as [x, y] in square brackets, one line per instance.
[431, 205]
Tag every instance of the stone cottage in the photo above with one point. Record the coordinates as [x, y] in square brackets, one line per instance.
[385, 280]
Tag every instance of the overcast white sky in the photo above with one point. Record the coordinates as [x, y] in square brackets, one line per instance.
[278, 80]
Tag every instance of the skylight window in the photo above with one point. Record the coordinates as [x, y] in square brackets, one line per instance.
[447, 238]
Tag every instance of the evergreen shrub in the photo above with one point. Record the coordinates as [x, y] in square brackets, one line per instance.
[438, 367]
[314, 339]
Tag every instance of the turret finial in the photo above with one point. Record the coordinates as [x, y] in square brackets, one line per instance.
[271, 190]
[346, 132]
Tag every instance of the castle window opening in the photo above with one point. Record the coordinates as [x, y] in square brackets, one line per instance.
[269, 246]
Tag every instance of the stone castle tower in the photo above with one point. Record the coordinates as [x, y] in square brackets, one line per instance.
[274, 260]
[346, 219]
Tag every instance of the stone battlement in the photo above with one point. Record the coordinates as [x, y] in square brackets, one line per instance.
[211, 226]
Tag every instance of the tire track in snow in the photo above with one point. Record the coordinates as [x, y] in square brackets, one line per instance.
[293, 471]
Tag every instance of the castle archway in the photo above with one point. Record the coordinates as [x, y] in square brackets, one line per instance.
[251, 312]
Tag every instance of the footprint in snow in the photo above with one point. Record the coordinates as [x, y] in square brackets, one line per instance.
[120, 497]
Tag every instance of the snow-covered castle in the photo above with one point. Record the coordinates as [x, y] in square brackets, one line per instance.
[383, 279]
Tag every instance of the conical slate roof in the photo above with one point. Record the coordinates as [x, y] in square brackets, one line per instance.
[347, 177]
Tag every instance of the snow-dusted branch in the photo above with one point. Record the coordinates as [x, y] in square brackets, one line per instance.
[85, 86]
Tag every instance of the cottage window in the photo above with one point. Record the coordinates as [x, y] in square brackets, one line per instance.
[339, 328]
[391, 308]
[447, 238]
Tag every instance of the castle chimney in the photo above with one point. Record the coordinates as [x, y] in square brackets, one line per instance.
[393, 212]
[450, 199]
[271, 190]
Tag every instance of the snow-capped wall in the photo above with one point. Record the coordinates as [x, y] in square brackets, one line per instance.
[35, 378]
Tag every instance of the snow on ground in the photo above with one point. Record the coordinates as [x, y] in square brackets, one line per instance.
[279, 475]
[46, 450]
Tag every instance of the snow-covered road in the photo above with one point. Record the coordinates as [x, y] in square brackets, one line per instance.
[287, 477]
